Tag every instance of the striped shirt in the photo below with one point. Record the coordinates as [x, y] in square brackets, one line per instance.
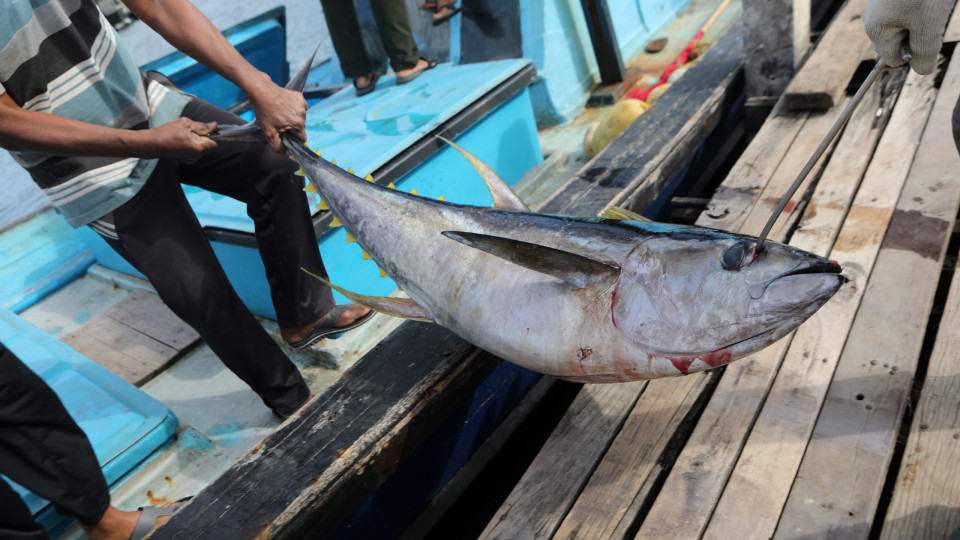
[62, 57]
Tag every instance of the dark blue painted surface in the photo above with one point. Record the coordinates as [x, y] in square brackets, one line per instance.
[124, 424]
[394, 506]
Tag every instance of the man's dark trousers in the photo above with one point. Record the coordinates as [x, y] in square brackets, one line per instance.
[159, 234]
[45, 451]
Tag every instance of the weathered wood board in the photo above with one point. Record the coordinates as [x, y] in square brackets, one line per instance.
[768, 462]
[135, 339]
[821, 82]
[926, 497]
[701, 471]
[839, 482]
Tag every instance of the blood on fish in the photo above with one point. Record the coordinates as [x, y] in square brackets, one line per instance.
[717, 358]
[682, 363]
[713, 359]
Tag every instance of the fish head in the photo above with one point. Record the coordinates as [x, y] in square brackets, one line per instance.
[697, 292]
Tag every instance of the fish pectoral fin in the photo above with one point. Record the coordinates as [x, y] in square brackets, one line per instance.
[503, 196]
[615, 212]
[576, 270]
[398, 307]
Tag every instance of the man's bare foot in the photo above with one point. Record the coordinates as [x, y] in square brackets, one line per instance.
[117, 525]
[293, 335]
[363, 81]
[420, 66]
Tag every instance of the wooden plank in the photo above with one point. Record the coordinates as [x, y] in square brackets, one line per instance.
[551, 484]
[143, 311]
[808, 139]
[612, 498]
[636, 166]
[135, 339]
[821, 82]
[776, 37]
[733, 199]
[761, 479]
[701, 471]
[843, 470]
[927, 491]
[952, 32]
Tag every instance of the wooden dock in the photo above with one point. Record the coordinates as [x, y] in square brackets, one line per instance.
[846, 429]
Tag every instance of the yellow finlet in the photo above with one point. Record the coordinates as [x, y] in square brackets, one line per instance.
[310, 188]
[300, 172]
[441, 198]
[365, 256]
[334, 162]
[350, 238]
[414, 192]
[336, 222]
[369, 178]
[350, 170]
[391, 186]
[318, 154]
[382, 273]
[323, 205]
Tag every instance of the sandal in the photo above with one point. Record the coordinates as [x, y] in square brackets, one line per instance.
[429, 6]
[448, 10]
[417, 72]
[362, 91]
[327, 327]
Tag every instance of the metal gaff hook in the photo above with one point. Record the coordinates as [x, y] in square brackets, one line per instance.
[878, 68]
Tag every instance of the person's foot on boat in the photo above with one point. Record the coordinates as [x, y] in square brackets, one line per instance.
[406, 75]
[444, 11]
[337, 320]
[365, 84]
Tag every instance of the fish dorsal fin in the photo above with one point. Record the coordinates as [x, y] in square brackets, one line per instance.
[615, 212]
[299, 80]
[503, 196]
[576, 270]
[398, 307]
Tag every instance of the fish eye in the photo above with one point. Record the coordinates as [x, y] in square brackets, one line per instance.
[732, 258]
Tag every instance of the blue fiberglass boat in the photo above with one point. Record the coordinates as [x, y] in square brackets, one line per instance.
[512, 84]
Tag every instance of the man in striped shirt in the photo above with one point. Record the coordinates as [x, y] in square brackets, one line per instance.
[111, 148]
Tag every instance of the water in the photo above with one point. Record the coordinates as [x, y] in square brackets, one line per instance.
[306, 28]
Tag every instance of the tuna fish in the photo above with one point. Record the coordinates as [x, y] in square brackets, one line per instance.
[582, 299]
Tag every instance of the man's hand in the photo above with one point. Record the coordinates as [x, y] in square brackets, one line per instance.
[919, 23]
[279, 110]
[181, 139]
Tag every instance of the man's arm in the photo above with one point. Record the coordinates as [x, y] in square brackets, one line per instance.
[20, 129]
[186, 28]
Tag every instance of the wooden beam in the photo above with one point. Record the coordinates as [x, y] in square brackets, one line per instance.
[838, 485]
[309, 475]
[776, 36]
[135, 339]
[925, 497]
[822, 81]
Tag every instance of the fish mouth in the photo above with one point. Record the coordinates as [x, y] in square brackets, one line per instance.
[824, 267]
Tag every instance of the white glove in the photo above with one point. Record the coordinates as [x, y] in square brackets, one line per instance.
[891, 22]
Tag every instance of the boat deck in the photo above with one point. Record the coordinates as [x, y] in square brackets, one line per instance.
[846, 429]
